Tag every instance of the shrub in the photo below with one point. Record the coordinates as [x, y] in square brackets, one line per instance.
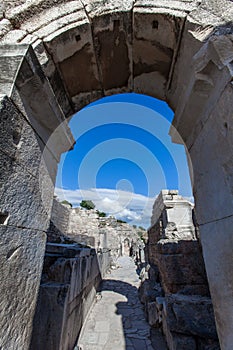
[121, 221]
[101, 214]
[66, 203]
[87, 204]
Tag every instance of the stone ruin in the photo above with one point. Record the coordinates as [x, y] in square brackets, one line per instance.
[81, 248]
[175, 293]
[58, 56]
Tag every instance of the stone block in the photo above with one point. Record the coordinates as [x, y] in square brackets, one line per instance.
[49, 316]
[21, 260]
[217, 241]
[182, 342]
[208, 344]
[215, 142]
[181, 266]
[151, 71]
[75, 56]
[5, 26]
[21, 143]
[23, 200]
[27, 84]
[149, 291]
[191, 315]
[54, 76]
[152, 312]
[66, 295]
[113, 33]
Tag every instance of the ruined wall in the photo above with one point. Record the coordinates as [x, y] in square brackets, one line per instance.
[26, 189]
[72, 272]
[183, 306]
[70, 279]
[87, 227]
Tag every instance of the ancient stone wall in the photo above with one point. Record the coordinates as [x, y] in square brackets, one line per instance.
[182, 307]
[87, 227]
[70, 279]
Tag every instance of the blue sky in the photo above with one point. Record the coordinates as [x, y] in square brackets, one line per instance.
[123, 157]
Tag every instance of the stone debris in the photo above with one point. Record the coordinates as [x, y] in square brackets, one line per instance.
[117, 320]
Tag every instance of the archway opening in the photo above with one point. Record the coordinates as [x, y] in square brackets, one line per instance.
[123, 157]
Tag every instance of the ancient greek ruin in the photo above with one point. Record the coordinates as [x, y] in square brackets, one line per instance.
[56, 57]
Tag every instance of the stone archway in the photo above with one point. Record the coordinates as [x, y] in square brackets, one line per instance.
[58, 56]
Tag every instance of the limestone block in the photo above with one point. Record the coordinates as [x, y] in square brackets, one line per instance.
[181, 267]
[49, 316]
[193, 36]
[217, 243]
[28, 86]
[177, 341]
[99, 8]
[219, 13]
[153, 316]
[60, 216]
[69, 288]
[25, 203]
[49, 15]
[191, 315]
[52, 73]
[208, 344]
[204, 90]
[20, 141]
[21, 261]
[72, 48]
[5, 26]
[10, 61]
[157, 33]
[112, 35]
[214, 143]
[13, 37]
[2, 10]
[149, 291]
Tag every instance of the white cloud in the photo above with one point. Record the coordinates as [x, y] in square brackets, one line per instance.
[128, 206]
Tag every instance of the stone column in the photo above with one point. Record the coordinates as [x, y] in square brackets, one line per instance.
[29, 114]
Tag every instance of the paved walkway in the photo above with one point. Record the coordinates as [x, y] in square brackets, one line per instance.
[117, 320]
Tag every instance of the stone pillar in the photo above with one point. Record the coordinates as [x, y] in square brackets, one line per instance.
[203, 122]
[28, 160]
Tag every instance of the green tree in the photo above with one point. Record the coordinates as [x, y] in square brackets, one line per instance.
[101, 214]
[87, 204]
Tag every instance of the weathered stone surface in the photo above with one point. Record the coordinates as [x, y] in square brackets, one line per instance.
[223, 303]
[21, 260]
[181, 267]
[70, 278]
[208, 344]
[150, 35]
[113, 34]
[86, 227]
[152, 312]
[25, 179]
[174, 248]
[5, 27]
[191, 315]
[149, 291]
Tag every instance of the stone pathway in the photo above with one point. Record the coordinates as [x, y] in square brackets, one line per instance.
[117, 320]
